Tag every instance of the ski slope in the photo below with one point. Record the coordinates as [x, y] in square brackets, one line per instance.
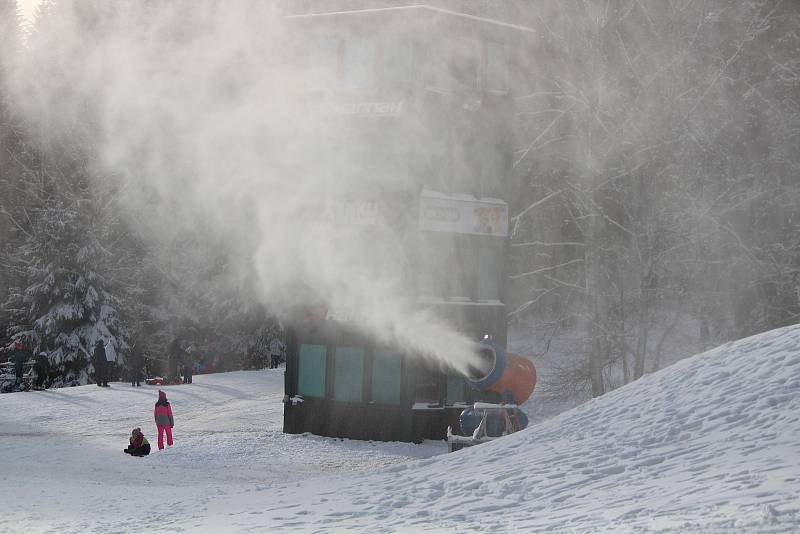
[711, 444]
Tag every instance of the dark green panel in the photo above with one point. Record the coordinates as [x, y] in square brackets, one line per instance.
[348, 374]
[386, 377]
[455, 390]
[311, 370]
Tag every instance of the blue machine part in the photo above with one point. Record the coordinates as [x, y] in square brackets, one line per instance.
[495, 423]
[469, 421]
[496, 372]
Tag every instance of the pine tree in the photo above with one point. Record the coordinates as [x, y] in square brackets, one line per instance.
[9, 169]
[74, 278]
[65, 305]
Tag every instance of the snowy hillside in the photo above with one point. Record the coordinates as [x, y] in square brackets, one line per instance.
[712, 442]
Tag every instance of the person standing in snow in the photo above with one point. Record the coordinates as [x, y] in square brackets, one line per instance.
[136, 364]
[164, 420]
[19, 364]
[100, 364]
[175, 352]
[111, 361]
[188, 364]
[275, 352]
[259, 357]
[41, 367]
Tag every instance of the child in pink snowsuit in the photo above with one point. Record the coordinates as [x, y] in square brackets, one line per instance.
[164, 420]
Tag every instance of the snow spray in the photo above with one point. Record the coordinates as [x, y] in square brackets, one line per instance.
[195, 116]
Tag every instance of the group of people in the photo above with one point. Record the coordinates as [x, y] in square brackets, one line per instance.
[165, 421]
[181, 363]
[105, 360]
[41, 367]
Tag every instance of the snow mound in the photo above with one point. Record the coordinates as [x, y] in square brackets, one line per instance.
[711, 443]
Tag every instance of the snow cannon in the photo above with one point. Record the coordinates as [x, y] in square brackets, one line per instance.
[471, 418]
[509, 375]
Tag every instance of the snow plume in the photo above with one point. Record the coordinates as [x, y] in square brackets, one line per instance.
[210, 126]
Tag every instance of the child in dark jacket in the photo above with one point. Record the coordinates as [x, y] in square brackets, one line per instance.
[139, 446]
[164, 420]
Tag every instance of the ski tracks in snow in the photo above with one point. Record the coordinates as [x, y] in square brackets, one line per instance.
[65, 469]
[709, 444]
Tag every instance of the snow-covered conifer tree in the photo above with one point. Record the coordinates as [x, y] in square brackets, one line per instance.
[66, 305]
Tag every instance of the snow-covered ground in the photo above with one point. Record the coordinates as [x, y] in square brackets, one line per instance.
[709, 444]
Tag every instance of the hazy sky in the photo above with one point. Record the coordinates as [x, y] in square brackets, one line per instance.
[28, 8]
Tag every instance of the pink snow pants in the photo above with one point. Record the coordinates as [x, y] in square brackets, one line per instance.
[161, 430]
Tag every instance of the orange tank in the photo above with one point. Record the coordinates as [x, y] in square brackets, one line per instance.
[503, 373]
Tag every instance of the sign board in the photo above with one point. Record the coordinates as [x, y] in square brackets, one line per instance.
[462, 214]
[342, 315]
[373, 109]
[351, 212]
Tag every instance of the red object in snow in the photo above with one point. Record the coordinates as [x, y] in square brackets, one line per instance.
[161, 381]
[519, 378]
[503, 373]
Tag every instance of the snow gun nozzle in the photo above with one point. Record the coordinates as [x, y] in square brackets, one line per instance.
[483, 363]
[501, 372]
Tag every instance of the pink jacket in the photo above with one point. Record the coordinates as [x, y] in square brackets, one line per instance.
[163, 415]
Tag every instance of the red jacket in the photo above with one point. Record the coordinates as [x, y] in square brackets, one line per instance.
[163, 415]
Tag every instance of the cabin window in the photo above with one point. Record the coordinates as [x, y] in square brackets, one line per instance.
[436, 72]
[496, 67]
[348, 374]
[464, 63]
[490, 268]
[465, 266]
[396, 64]
[455, 389]
[311, 370]
[426, 384]
[386, 373]
[322, 59]
[358, 63]
[441, 275]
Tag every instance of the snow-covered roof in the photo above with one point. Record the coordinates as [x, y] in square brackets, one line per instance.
[463, 301]
[464, 197]
[438, 10]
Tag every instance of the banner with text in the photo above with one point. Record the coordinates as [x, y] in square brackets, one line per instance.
[463, 215]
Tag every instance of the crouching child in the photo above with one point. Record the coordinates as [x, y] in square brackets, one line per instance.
[139, 445]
